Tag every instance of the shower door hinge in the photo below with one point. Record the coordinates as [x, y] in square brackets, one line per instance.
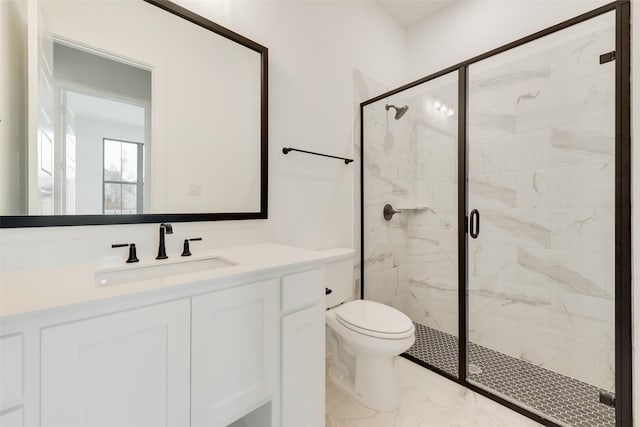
[607, 57]
[607, 398]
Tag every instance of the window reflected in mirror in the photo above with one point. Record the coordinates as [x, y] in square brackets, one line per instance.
[123, 188]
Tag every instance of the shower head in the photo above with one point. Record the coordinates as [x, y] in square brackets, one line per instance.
[400, 111]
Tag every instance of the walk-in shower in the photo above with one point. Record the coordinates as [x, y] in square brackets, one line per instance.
[509, 252]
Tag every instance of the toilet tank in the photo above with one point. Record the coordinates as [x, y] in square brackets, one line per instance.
[340, 277]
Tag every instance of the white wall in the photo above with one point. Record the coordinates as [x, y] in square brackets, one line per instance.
[13, 40]
[469, 28]
[314, 47]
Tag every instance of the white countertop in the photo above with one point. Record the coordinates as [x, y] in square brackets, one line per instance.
[33, 290]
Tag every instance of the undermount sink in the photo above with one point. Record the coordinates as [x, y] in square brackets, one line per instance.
[158, 270]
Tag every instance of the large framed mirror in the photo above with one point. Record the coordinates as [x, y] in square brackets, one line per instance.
[117, 112]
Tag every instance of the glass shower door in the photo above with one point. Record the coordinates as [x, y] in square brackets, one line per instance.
[410, 146]
[541, 186]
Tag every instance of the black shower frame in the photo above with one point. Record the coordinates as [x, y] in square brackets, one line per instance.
[623, 259]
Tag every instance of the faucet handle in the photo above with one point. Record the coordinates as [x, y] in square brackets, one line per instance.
[185, 246]
[132, 251]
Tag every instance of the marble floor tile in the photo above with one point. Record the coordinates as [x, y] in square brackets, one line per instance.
[428, 400]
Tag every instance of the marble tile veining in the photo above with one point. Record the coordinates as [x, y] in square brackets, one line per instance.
[507, 80]
[592, 143]
[522, 227]
[571, 280]
[495, 192]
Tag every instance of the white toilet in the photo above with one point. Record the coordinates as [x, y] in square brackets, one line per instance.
[363, 338]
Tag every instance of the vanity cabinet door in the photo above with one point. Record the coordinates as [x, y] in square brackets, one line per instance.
[303, 365]
[234, 352]
[129, 369]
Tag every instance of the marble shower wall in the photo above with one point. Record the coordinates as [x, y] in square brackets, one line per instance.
[430, 296]
[364, 87]
[388, 175]
[541, 173]
[411, 163]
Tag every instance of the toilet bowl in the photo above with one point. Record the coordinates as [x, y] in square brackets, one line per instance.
[363, 338]
[363, 349]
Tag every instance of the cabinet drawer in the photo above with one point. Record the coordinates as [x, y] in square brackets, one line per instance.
[10, 370]
[302, 289]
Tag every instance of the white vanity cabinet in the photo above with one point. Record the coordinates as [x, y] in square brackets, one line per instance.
[234, 352]
[199, 361]
[129, 369]
[303, 353]
[11, 380]
[245, 349]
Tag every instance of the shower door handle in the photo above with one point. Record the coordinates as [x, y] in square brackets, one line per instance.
[474, 224]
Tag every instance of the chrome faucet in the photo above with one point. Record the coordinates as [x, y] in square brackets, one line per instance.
[162, 253]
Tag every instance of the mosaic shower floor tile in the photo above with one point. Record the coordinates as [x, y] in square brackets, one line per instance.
[562, 399]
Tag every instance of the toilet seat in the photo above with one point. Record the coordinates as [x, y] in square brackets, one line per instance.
[374, 319]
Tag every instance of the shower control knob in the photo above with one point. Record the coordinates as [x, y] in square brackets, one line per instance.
[388, 212]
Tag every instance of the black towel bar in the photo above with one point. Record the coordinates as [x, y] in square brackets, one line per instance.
[286, 150]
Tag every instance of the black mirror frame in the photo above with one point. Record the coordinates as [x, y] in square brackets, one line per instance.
[15, 221]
